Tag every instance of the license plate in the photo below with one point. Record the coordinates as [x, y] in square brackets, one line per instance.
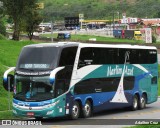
[30, 113]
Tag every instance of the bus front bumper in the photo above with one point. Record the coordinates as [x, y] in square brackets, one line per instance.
[38, 112]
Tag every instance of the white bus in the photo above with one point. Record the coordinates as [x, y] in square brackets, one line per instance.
[66, 79]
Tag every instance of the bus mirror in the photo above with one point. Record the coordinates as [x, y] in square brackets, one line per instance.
[53, 74]
[8, 83]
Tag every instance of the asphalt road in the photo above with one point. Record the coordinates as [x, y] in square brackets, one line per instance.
[111, 119]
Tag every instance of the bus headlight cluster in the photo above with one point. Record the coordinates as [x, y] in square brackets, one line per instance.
[15, 105]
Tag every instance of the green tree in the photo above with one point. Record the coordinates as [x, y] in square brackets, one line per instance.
[31, 22]
[2, 26]
[17, 9]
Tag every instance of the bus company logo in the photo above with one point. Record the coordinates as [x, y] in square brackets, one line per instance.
[30, 108]
[33, 73]
[118, 71]
[6, 122]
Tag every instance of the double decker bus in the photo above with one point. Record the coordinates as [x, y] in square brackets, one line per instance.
[73, 79]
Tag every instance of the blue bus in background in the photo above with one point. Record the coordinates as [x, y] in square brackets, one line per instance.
[66, 79]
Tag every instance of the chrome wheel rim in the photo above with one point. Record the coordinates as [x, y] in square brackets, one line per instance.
[75, 110]
[142, 102]
[87, 109]
[135, 103]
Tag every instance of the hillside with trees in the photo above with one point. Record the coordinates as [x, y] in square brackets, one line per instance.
[100, 9]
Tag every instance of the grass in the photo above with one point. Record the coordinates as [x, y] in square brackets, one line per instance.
[9, 51]
[145, 126]
[77, 37]
[6, 115]
[5, 102]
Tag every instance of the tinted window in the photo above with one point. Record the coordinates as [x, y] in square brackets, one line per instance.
[98, 56]
[68, 56]
[103, 85]
[138, 56]
[152, 56]
[105, 56]
[116, 56]
[38, 58]
[63, 77]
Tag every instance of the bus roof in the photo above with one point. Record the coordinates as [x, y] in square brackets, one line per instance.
[128, 46]
[59, 44]
[82, 45]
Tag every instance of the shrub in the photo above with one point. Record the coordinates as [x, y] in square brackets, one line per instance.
[154, 40]
[2, 28]
[2, 37]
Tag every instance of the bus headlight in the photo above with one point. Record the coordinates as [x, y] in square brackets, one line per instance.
[14, 105]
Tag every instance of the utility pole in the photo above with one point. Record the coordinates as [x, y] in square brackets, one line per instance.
[118, 17]
[113, 21]
[51, 31]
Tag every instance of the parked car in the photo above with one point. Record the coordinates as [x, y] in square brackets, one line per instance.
[64, 36]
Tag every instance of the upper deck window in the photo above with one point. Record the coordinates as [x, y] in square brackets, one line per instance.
[38, 58]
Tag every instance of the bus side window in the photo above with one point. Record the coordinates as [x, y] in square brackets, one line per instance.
[63, 77]
[86, 57]
[152, 56]
[68, 56]
[112, 56]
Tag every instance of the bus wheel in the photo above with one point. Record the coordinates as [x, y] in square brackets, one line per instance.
[135, 103]
[75, 110]
[142, 102]
[87, 109]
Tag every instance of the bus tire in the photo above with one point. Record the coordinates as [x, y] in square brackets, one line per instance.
[87, 109]
[75, 110]
[142, 102]
[134, 103]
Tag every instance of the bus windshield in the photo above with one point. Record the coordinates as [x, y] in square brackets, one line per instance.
[38, 58]
[33, 88]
